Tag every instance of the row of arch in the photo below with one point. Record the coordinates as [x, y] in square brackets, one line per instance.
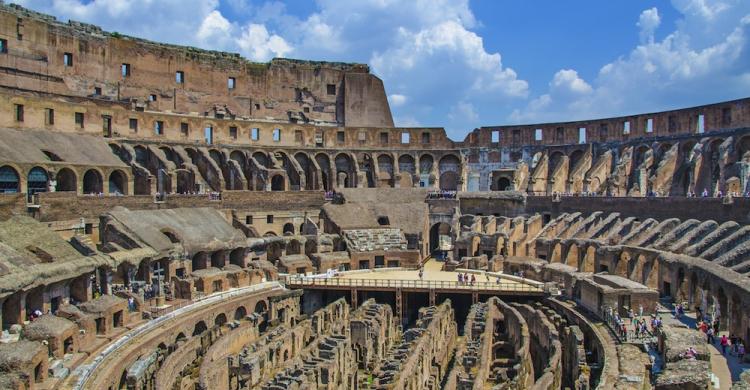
[281, 170]
[38, 179]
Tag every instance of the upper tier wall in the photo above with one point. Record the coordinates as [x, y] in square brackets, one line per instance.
[79, 59]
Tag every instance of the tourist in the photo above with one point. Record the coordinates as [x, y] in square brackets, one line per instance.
[487, 276]
[640, 310]
[473, 279]
[705, 193]
[724, 342]
[690, 353]
[734, 340]
[497, 281]
[460, 278]
[710, 336]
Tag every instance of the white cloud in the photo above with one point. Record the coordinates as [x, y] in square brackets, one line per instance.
[464, 111]
[687, 67]
[397, 100]
[648, 22]
[259, 45]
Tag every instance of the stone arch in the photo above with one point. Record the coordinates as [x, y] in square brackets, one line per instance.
[199, 328]
[118, 182]
[218, 259]
[240, 313]
[636, 268]
[503, 184]
[651, 275]
[308, 170]
[288, 229]
[437, 230]
[571, 257]
[262, 159]
[92, 182]
[324, 162]
[449, 181]
[67, 180]
[556, 255]
[200, 261]
[294, 247]
[366, 167]
[345, 171]
[220, 320]
[37, 181]
[292, 174]
[623, 264]
[180, 338]
[589, 260]
[277, 183]
[237, 257]
[408, 169]
[385, 170]
[10, 181]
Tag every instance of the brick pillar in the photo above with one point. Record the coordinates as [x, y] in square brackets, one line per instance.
[432, 297]
[355, 303]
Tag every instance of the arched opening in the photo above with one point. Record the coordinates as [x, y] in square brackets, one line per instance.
[589, 259]
[288, 229]
[172, 236]
[237, 257]
[344, 171]
[218, 259]
[503, 184]
[556, 256]
[449, 181]
[262, 309]
[240, 313]
[92, 182]
[449, 168]
[385, 170]
[199, 261]
[66, 180]
[622, 265]
[408, 169]
[307, 169]
[180, 338]
[118, 183]
[325, 170]
[571, 258]
[440, 233]
[37, 182]
[277, 183]
[199, 328]
[220, 320]
[9, 180]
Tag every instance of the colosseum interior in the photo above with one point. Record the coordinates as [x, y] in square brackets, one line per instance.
[176, 218]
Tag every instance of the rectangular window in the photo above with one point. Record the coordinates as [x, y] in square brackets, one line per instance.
[231, 82]
[133, 124]
[19, 112]
[603, 132]
[159, 127]
[516, 137]
[152, 98]
[649, 125]
[495, 136]
[276, 135]
[107, 125]
[626, 127]
[582, 135]
[425, 138]
[384, 138]
[179, 77]
[248, 220]
[49, 116]
[538, 135]
[125, 70]
[701, 127]
[298, 136]
[362, 136]
[233, 132]
[340, 137]
[79, 119]
[254, 133]
[560, 135]
[405, 137]
[208, 135]
[331, 89]
[319, 138]
[184, 129]
[68, 59]
[726, 116]
[97, 91]
[269, 218]
[3, 46]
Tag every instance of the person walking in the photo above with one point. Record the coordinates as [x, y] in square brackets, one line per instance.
[724, 344]
[741, 352]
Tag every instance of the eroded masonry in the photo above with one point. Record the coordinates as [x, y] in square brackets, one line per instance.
[177, 218]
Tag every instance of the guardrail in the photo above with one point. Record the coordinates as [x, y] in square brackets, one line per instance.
[302, 281]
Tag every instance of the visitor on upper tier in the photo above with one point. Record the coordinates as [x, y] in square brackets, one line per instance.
[705, 193]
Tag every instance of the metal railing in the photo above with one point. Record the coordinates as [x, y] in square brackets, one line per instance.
[303, 281]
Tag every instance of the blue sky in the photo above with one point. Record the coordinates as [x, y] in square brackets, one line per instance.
[462, 64]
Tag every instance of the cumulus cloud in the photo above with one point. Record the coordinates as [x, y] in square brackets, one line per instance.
[648, 22]
[704, 59]
[259, 45]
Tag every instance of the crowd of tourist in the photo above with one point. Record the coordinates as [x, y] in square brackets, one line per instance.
[441, 194]
[634, 325]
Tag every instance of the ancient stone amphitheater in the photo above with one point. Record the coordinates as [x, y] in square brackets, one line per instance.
[176, 218]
